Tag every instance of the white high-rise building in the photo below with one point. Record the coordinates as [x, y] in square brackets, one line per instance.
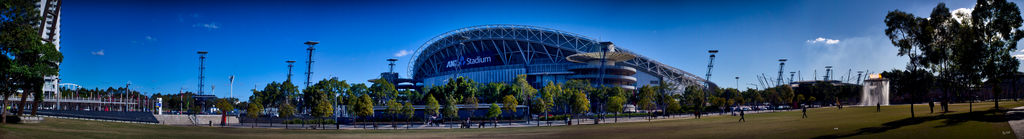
[49, 30]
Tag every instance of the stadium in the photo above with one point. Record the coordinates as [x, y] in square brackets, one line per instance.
[498, 53]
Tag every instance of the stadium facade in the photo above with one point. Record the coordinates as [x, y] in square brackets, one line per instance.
[498, 53]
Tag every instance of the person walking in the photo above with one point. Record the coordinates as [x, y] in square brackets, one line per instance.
[878, 107]
[743, 118]
[805, 111]
[931, 106]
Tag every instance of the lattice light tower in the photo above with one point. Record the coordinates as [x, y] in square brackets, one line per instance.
[290, 65]
[202, 60]
[309, 62]
[782, 63]
[828, 72]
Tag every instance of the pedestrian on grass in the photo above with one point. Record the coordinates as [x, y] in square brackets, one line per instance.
[878, 107]
[743, 117]
[931, 106]
[805, 112]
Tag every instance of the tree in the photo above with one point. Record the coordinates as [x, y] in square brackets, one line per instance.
[494, 112]
[225, 106]
[615, 105]
[996, 26]
[914, 83]
[526, 91]
[383, 90]
[451, 110]
[471, 104]
[26, 58]
[673, 107]
[408, 111]
[647, 98]
[580, 104]
[548, 94]
[432, 105]
[393, 109]
[961, 49]
[255, 108]
[364, 108]
[694, 96]
[286, 110]
[509, 103]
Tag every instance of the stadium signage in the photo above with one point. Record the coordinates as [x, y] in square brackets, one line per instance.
[471, 61]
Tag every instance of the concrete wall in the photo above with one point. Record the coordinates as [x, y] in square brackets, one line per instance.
[184, 119]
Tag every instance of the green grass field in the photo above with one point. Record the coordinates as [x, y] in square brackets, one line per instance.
[851, 122]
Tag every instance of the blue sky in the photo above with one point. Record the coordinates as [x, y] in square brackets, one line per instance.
[152, 44]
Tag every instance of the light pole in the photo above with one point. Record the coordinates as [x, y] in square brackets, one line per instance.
[782, 63]
[290, 62]
[737, 82]
[309, 62]
[791, 75]
[231, 86]
[202, 60]
[828, 72]
[707, 78]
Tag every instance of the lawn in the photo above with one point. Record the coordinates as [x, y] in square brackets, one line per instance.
[851, 122]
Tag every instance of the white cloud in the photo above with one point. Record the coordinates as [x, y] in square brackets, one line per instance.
[873, 53]
[98, 53]
[210, 26]
[825, 41]
[402, 53]
[1019, 56]
[150, 38]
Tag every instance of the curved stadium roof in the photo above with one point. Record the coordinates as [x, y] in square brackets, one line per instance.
[574, 43]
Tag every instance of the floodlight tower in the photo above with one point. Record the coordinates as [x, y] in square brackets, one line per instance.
[202, 60]
[707, 77]
[737, 82]
[791, 75]
[711, 64]
[391, 66]
[858, 76]
[290, 65]
[782, 63]
[309, 63]
[828, 72]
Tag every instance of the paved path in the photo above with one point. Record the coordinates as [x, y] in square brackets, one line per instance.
[1017, 125]
[501, 124]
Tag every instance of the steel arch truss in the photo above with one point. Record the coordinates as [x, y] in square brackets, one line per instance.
[517, 44]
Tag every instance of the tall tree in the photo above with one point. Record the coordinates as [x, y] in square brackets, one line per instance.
[27, 59]
[364, 108]
[451, 110]
[915, 84]
[997, 25]
[225, 106]
[526, 91]
[286, 110]
[408, 111]
[580, 104]
[494, 112]
[393, 109]
[254, 110]
[615, 106]
[432, 106]
[509, 103]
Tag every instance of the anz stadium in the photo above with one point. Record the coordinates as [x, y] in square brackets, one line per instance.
[498, 53]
